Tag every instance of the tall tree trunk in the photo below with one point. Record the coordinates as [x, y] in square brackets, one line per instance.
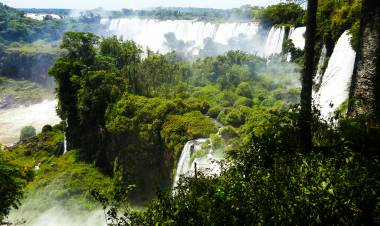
[365, 89]
[307, 77]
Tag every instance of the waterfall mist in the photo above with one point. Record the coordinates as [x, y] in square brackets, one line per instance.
[12, 120]
[58, 215]
[193, 38]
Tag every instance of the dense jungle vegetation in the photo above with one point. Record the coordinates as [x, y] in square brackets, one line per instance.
[127, 115]
[16, 29]
[108, 92]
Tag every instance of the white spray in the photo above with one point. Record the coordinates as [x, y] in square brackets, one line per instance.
[37, 115]
[194, 35]
[274, 41]
[336, 81]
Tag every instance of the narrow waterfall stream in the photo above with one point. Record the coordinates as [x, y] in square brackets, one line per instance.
[64, 143]
[321, 62]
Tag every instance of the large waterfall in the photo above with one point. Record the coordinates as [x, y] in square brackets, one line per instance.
[198, 37]
[335, 83]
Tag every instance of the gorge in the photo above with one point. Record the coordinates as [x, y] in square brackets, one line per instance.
[182, 116]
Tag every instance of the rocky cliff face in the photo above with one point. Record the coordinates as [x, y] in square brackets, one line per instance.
[27, 66]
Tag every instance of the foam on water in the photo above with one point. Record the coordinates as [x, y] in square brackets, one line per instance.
[37, 115]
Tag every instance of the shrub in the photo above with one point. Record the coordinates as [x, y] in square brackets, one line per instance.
[214, 111]
[243, 101]
[11, 185]
[228, 132]
[27, 132]
[47, 128]
[178, 129]
[244, 90]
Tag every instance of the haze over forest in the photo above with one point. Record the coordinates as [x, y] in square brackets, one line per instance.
[189, 112]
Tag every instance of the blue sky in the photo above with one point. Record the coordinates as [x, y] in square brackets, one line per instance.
[136, 4]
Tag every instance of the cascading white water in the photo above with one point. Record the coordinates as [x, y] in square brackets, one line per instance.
[297, 37]
[207, 164]
[14, 119]
[336, 81]
[321, 62]
[191, 37]
[64, 144]
[184, 164]
[274, 41]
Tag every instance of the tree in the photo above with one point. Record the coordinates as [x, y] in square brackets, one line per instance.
[289, 13]
[80, 46]
[365, 89]
[307, 77]
[10, 188]
[80, 55]
[27, 132]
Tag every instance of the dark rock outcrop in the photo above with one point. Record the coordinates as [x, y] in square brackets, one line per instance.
[27, 66]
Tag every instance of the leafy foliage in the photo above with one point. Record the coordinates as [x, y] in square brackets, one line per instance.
[16, 27]
[12, 181]
[18, 30]
[335, 17]
[270, 182]
[27, 132]
[283, 14]
[47, 179]
[177, 130]
[129, 113]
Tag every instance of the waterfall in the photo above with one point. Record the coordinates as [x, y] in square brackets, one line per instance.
[207, 163]
[37, 167]
[336, 81]
[184, 165]
[188, 36]
[64, 143]
[297, 37]
[274, 41]
[321, 62]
